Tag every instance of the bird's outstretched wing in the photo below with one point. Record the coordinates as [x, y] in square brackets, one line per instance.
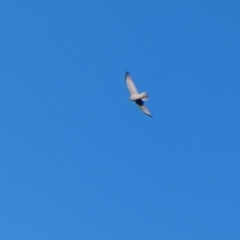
[131, 87]
[143, 107]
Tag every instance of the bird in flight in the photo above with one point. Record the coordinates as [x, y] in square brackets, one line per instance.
[135, 96]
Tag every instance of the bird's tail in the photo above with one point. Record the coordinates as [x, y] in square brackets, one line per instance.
[143, 96]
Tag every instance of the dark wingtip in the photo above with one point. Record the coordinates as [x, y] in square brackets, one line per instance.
[150, 115]
[126, 74]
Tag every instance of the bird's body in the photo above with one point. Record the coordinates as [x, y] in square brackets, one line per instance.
[135, 96]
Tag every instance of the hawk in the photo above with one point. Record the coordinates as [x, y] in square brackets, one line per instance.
[135, 96]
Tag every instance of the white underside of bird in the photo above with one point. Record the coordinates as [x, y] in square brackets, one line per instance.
[135, 96]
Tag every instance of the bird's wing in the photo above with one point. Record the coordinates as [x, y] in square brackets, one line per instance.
[143, 107]
[131, 87]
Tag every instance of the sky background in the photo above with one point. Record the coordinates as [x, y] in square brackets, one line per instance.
[78, 160]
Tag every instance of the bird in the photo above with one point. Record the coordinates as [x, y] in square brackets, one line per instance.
[135, 96]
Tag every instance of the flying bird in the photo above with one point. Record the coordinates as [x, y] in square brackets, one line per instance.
[135, 96]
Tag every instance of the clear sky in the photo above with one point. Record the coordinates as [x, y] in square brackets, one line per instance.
[78, 160]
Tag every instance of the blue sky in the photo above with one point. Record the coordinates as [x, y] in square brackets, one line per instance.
[78, 160]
